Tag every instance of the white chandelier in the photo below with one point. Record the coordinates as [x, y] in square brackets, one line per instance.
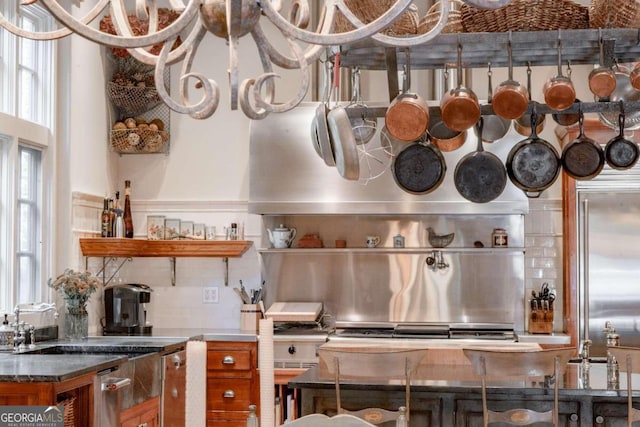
[233, 19]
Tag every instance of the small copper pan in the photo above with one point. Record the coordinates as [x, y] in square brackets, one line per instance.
[510, 99]
[559, 93]
[459, 107]
[602, 80]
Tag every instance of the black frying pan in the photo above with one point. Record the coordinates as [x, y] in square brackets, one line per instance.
[533, 164]
[419, 168]
[480, 176]
[621, 153]
[582, 158]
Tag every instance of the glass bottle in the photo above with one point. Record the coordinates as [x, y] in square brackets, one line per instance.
[114, 210]
[105, 221]
[128, 219]
[119, 228]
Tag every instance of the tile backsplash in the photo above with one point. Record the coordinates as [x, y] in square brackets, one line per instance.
[182, 305]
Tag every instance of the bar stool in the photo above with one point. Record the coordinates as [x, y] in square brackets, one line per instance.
[314, 420]
[371, 363]
[628, 361]
[495, 364]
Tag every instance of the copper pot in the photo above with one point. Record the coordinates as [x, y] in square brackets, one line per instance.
[559, 93]
[459, 107]
[407, 117]
[495, 127]
[634, 77]
[444, 138]
[602, 80]
[510, 99]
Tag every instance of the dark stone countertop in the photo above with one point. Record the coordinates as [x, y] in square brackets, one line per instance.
[53, 368]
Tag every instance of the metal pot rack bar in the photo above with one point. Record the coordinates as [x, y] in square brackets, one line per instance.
[535, 47]
[586, 107]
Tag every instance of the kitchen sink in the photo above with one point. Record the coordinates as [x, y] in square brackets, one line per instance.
[89, 349]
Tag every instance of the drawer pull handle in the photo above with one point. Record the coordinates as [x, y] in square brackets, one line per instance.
[229, 394]
[228, 360]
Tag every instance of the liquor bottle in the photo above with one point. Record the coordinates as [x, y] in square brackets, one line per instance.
[105, 222]
[119, 224]
[128, 219]
[114, 210]
[112, 217]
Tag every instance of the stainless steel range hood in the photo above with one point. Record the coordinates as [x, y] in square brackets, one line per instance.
[288, 177]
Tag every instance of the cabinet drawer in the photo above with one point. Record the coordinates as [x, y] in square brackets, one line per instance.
[229, 360]
[225, 394]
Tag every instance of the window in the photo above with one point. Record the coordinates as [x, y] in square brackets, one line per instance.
[26, 66]
[28, 224]
[27, 71]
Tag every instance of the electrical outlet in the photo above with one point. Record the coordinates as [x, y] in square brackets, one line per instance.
[210, 295]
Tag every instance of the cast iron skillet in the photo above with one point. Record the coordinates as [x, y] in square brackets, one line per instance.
[419, 168]
[621, 153]
[533, 164]
[480, 176]
[582, 158]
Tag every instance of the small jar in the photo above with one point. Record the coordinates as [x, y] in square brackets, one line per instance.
[499, 238]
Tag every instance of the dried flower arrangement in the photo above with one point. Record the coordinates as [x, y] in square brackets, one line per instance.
[74, 285]
[140, 27]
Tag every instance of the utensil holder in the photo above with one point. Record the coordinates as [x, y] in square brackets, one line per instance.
[250, 316]
[541, 322]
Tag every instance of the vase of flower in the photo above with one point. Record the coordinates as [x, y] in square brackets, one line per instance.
[76, 320]
[75, 288]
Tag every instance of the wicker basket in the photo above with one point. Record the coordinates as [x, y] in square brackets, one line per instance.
[369, 10]
[131, 141]
[69, 406]
[133, 100]
[614, 14]
[526, 15]
[431, 18]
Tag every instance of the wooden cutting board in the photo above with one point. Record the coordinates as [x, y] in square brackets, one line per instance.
[294, 311]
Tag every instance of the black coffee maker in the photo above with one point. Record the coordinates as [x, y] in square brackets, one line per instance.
[125, 309]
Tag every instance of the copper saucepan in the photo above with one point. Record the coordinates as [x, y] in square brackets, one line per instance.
[459, 107]
[602, 80]
[495, 127]
[559, 93]
[510, 99]
[407, 117]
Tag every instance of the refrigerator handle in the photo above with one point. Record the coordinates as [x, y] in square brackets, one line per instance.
[585, 270]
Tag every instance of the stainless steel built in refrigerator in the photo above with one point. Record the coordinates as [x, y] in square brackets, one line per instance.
[608, 230]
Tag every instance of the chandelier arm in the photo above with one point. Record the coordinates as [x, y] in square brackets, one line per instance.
[126, 40]
[198, 32]
[311, 54]
[176, 5]
[56, 34]
[487, 4]
[234, 20]
[299, 13]
[209, 101]
[245, 104]
[141, 11]
[362, 31]
[410, 41]
[304, 86]
[265, 59]
[189, 57]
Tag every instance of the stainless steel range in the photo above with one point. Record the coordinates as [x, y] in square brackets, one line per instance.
[295, 345]
[479, 331]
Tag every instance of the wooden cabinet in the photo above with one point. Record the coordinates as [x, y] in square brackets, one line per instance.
[145, 414]
[75, 394]
[232, 382]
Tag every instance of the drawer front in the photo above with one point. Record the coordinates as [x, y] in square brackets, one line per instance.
[226, 423]
[229, 360]
[225, 394]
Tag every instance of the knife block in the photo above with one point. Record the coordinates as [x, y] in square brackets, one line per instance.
[250, 316]
[541, 321]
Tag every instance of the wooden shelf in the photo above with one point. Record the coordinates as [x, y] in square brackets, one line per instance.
[111, 247]
[383, 250]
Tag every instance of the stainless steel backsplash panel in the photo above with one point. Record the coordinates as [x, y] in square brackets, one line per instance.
[363, 286]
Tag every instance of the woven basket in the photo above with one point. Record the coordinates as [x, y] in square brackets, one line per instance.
[128, 141]
[69, 406]
[431, 18]
[133, 100]
[614, 14]
[369, 10]
[526, 15]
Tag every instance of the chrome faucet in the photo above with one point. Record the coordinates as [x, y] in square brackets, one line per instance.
[584, 350]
